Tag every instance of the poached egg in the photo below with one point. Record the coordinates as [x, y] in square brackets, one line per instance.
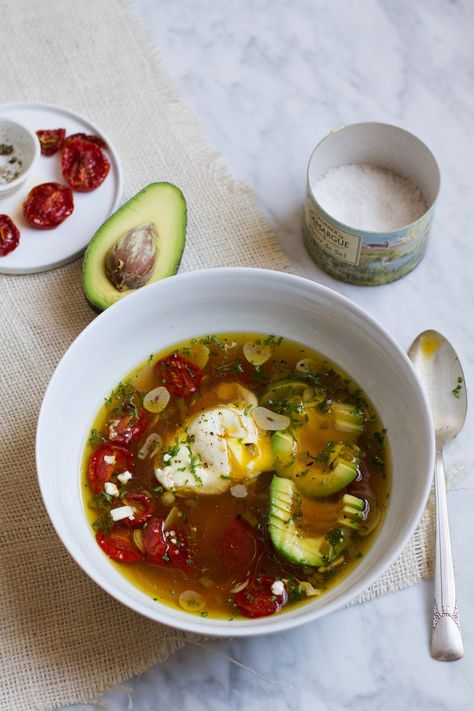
[214, 450]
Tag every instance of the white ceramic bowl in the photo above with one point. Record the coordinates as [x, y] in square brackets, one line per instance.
[26, 148]
[215, 301]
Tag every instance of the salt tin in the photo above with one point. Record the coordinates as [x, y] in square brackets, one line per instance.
[358, 256]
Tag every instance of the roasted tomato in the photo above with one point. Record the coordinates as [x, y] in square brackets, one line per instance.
[84, 165]
[238, 546]
[143, 509]
[118, 545]
[161, 548]
[87, 137]
[47, 205]
[107, 460]
[128, 426]
[179, 375]
[9, 235]
[51, 140]
[258, 600]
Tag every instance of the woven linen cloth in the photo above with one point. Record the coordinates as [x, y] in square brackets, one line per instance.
[62, 638]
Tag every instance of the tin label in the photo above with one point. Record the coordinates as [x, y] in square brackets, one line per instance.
[334, 241]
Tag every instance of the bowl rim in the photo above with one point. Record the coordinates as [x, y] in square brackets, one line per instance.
[214, 626]
[17, 182]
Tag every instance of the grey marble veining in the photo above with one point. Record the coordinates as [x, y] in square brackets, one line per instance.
[268, 79]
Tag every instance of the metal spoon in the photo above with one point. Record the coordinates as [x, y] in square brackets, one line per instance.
[440, 372]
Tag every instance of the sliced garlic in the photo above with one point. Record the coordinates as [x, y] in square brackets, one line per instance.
[138, 539]
[191, 601]
[268, 420]
[173, 517]
[152, 445]
[256, 353]
[240, 586]
[168, 498]
[305, 365]
[239, 491]
[198, 354]
[157, 399]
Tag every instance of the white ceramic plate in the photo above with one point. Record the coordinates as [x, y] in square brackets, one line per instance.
[214, 301]
[40, 250]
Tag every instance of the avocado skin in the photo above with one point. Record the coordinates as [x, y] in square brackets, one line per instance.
[149, 204]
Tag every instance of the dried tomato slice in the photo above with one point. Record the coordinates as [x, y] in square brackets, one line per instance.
[101, 470]
[84, 165]
[47, 205]
[51, 140]
[257, 599]
[238, 546]
[179, 375]
[118, 545]
[87, 137]
[128, 426]
[9, 235]
[143, 509]
[160, 548]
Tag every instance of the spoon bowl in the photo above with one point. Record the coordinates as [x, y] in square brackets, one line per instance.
[438, 367]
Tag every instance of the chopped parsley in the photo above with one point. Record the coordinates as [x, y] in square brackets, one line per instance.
[457, 390]
[272, 340]
[235, 366]
[96, 437]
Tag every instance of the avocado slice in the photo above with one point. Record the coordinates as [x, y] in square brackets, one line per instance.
[291, 543]
[154, 218]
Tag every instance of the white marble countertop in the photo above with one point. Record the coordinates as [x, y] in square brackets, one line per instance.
[268, 79]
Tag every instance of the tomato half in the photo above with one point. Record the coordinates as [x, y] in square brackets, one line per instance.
[118, 545]
[47, 205]
[143, 509]
[159, 547]
[128, 426]
[101, 470]
[9, 235]
[51, 141]
[257, 599]
[179, 375]
[238, 546]
[87, 137]
[84, 165]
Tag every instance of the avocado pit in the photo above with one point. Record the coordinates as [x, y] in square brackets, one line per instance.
[130, 262]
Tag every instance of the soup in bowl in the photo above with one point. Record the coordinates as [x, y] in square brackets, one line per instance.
[251, 455]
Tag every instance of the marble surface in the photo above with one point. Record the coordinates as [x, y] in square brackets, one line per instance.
[268, 79]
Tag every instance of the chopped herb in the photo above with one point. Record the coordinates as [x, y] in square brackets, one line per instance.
[273, 340]
[457, 390]
[103, 523]
[235, 366]
[96, 437]
[247, 409]
[334, 536]
[102, 499]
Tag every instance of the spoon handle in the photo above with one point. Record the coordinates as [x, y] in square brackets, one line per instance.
[446, 640]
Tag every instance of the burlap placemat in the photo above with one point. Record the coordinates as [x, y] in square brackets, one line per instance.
[62, 638]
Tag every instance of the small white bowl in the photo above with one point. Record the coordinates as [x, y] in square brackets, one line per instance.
[223, 300]
[26, 149]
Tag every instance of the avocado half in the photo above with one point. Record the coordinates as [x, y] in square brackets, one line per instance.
[161, 205]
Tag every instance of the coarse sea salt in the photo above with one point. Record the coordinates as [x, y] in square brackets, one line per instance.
[369, 197]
